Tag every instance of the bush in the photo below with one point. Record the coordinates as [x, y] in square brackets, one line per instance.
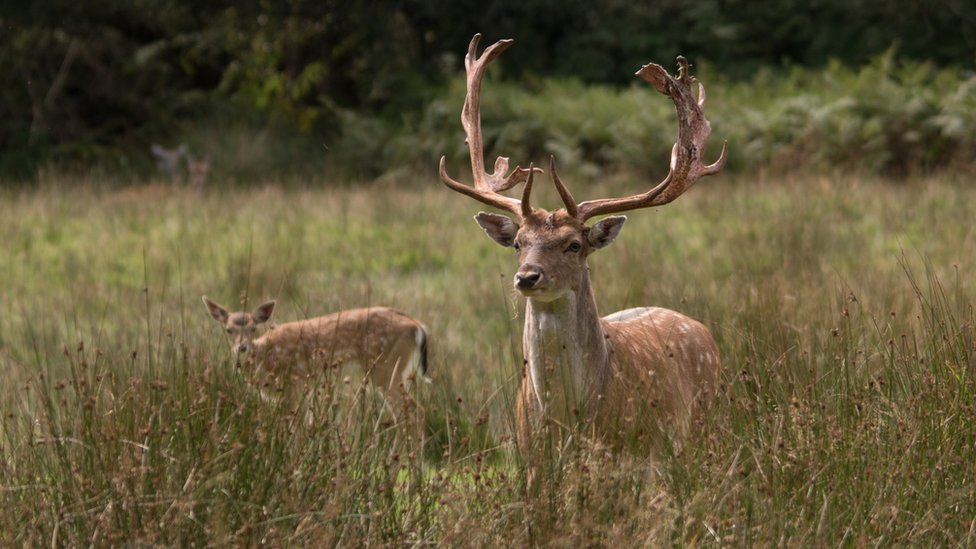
[889, 117]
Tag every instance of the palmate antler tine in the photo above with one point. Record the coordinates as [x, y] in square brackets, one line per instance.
[487, 186]
[475, 68]
[497, 180]
[686, 163]
[490, 198]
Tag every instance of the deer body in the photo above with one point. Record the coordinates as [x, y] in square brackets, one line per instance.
[616, 372]
[581, 366]
[380, 345]
[171, 162]
[643, 368]
[673, 357]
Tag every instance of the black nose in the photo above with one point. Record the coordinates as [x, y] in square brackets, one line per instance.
[524, 281]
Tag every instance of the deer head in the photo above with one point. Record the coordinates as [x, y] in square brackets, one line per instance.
[553, 246]
[169, 160]
[240, 327]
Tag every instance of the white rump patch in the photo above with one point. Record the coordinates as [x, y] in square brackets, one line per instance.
[629, 314]
[411, 370]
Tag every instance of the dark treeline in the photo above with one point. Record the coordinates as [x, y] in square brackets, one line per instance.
[83, 81]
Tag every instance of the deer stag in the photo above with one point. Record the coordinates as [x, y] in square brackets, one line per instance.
[380, 345]
[613, 371]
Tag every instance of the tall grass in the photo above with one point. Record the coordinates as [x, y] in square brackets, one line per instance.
[839, 304]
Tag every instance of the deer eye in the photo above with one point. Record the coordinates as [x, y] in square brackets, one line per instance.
[574, 247]
[517, 246]
[230, 330]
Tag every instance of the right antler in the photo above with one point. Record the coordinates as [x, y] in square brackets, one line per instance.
[487, 186]
[686, 155]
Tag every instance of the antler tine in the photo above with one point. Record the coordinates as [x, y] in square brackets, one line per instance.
[526, 207]
[564, 193]
[686, 155]
[487, 186]
[499, 201]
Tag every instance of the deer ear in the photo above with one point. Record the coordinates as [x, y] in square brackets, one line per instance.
[218, 313]
[604, 231]
[499, 227]
[263, 312]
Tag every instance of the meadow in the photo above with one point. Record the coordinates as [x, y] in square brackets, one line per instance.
[840, 304]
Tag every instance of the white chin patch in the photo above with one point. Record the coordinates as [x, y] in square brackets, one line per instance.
[542, 296]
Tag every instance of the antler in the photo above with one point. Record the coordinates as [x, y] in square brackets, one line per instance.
[487, 186]
[686, 155]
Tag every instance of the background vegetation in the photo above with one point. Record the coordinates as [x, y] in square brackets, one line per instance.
[308, 87]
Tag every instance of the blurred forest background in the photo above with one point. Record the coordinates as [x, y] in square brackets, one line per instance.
[358, 90]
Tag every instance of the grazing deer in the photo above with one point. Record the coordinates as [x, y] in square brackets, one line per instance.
[378, 344]
[198, 170]
[611, 372]
[169, 161]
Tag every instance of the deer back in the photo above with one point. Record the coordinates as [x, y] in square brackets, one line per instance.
[378, 341]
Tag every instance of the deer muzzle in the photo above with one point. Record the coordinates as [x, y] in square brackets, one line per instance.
[527, 278]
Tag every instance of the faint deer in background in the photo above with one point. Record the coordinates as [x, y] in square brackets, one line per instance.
[378, 345]
[169, 161]
[198, 169]
[609, 372]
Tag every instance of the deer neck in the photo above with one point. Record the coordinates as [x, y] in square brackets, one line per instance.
[565, 351]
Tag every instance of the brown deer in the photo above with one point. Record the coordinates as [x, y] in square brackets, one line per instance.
[612, 372]
[198, 170]
[385, 347]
